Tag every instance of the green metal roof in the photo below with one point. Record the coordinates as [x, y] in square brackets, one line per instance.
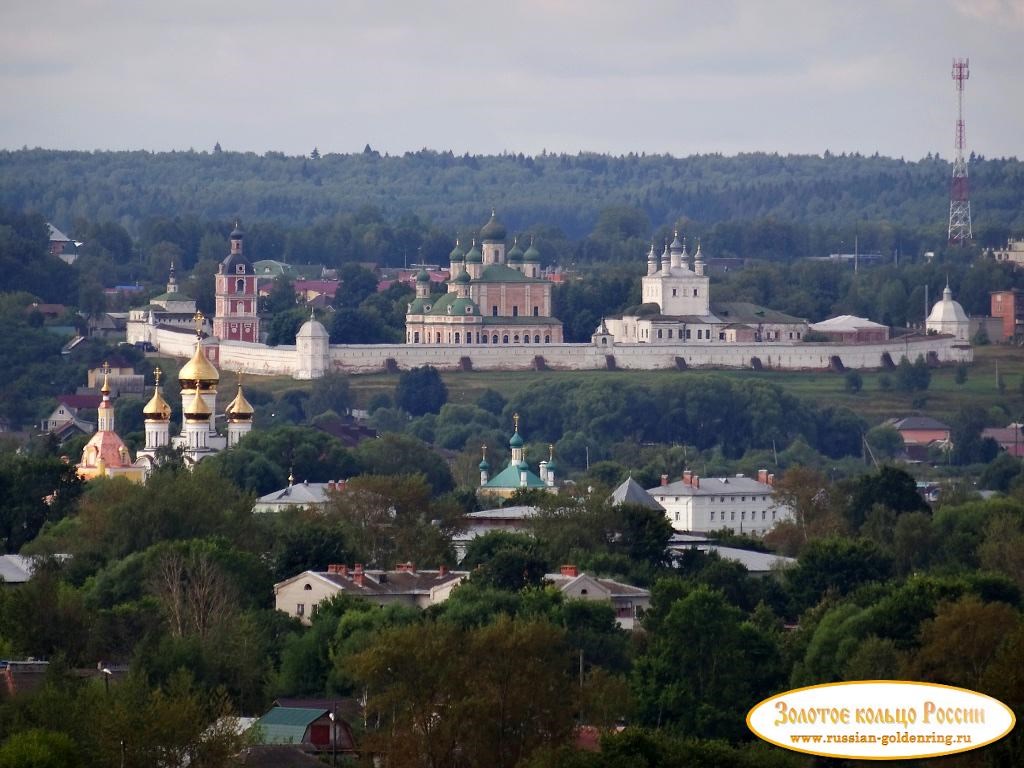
[502, 273]
[509, 478]
[172, 297]
[286, 725]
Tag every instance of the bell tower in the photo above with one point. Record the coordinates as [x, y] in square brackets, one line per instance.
[236, 317]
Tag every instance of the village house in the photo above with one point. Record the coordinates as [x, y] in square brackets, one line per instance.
[300, 595]
[740, 504]
[629, 602]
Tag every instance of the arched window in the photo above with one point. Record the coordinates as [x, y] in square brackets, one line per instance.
[516, 338]
[536, 339]
[547, 338]
[526, 338]
[438, 338]
[483, 339]
[494, 339]
[240, 286]
[504, 339]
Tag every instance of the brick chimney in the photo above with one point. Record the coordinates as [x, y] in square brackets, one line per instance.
[571, 571]
[405, 568]
[332, 568]
[340, 485]
[771, 479]
[695, 481]
[688, 477]
[442, 570]
[357, 574]
[762, 476]
[343, 569]
[664, 479]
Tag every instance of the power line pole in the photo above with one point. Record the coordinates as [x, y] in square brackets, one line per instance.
[959, 199]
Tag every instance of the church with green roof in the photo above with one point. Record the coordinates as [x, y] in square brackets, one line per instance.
[517, 473]
[492, 298]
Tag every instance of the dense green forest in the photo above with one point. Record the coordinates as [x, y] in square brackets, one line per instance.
[751, 205]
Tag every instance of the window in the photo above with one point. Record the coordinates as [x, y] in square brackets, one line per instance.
[515, 339]
[732, 515]
[458, 338]
[764, 514]
[515, 311]
[687, 333]
[743, 498]
[426, 307]
[526, 338]
[721, 336]
[438, 338]
[670, 333]
[711, 516]
[300, 609]
[536, 311]
[240, 286]
[659, 333]
[694, 291]
[675, 292]
[699, 334]
[483, 339]
[547, 338]
[469, 310]
[494, 310]
[536, 339]
[494, 339]
[504, 339]
[743, 515]
[240, 269]
[416, 337]
[583, 591]
[308, 587]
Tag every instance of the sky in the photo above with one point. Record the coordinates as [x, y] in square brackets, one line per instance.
[656, 76]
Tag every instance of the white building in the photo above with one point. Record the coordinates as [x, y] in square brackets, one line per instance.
[628, 601]
[300, 595]
[740, 504]
[947, 316]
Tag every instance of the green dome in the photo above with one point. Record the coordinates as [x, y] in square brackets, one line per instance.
[464, 307]
[516, 441]
[474, 257]
[552, 465]
[493, 230]
[484, 466]
[416, 306]
[532, 254]
[516, 254]
[457, 253]
[462, 277]
[423, 277]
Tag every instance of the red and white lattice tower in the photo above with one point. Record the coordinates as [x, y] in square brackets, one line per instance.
[959, 200]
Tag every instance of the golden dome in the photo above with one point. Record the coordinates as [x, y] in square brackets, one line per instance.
[239, 409]
[196, 409]
[198, 369]
[157, 408]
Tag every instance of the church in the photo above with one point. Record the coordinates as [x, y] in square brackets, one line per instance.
[106, 455]
[517, 473]
[492, 297]
[677, 308]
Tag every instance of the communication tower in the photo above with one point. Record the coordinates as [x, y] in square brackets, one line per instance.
[959, 199]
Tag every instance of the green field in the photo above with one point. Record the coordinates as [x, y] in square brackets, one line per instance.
[943, 398]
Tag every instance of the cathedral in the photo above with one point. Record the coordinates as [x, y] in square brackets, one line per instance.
[105, 455]
[517, 473]
[492, 297]
[677, 308]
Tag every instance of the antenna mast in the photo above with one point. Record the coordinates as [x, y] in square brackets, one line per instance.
[959, 201]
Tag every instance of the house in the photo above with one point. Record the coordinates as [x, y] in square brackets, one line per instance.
[740, 504]
[313, 726]
[62, 246]
[15, 569]
[628, 601]
[1010, 438]
[304, 494]
[1012, 253]
[631, 492]
[66, 419]
[512, 519]
[850, 329]
[307, 290]
[919, 433]
[300, 595]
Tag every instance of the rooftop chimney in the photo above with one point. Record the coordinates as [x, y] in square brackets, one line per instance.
[695, 481]
[571, 571]
[771, 480]
[340, 485]
[762, 476]
[442, 570]
[332, 568]
[357, 574]
[664, 479]
[343, 569]
[688, 477]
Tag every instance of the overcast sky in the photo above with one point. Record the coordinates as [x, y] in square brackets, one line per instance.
[521, 75]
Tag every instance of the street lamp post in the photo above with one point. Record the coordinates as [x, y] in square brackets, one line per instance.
[334, 734]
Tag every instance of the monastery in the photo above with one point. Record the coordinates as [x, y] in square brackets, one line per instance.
[496, 314]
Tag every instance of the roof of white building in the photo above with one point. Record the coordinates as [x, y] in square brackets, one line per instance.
[614, 588]
[380, 582]
[16, 569]
[755, 562]
[300, 494]
[847, 323]
[518, 512]
[712, 486]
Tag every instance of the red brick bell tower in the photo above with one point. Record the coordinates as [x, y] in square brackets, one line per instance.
[235, 318]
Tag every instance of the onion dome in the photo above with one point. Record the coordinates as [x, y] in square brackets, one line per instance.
[463, 277]
[552, 465]
[493, 230]
[237, 233]
[198, 370]
[157, 408]
[516, 253]
[196, 409]
[474, 257]
[457, 253]
[484, 466]
[239, 409]
[532, 254]
[677, 245]
[423, 277]
[462, 306]
[516, 441]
